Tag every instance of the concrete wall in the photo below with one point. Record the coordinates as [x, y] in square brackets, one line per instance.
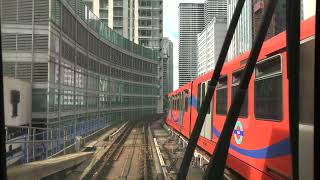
[24, 106]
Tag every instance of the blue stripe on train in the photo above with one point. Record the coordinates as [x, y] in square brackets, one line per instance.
[193, 102]
[279, 149]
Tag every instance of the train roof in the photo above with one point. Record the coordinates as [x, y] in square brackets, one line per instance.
[180, 89]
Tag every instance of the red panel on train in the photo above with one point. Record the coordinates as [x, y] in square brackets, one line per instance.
[259, 146]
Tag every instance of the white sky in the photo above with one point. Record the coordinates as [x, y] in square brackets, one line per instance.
[170, 29]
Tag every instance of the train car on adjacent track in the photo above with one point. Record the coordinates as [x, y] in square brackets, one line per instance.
[260, 145]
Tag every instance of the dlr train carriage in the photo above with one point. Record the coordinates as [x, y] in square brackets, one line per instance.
[259, 146]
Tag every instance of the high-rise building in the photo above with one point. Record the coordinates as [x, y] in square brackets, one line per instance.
[278, 21]
[83, 75]
[167, 66]
[215, 8]
[167, 56]
[242, 39]
[211, 38]
[209, 42]
[191, 23]
[138, 20]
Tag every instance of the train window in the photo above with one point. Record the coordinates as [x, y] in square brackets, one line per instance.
[177, 101]
[268, 89]
[186, 103]
[235, 85]
[180, 102]
[203, 93]
[199, 97]
[222, 96]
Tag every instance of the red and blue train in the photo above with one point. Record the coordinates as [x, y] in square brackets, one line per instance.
[259, 146]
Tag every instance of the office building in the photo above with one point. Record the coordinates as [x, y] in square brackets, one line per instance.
[167, 56]
[209, 42]
[138, 20]
[191, 23]
[215, 8]
[242, 39]
[84, 76]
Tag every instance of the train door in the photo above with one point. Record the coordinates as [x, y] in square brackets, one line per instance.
[206, 131]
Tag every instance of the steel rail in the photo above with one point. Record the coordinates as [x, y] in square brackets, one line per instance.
[95, 171]
[146, 152]
[218, 160]
[293, 56]
[127, 165]
[184, 167]
[156, 159]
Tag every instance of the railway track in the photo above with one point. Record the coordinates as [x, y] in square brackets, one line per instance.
[147, 153]
[98, 167]
[127, 157]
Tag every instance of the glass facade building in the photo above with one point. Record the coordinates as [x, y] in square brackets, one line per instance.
[191, 23]
[84, 75]
[138, 20]
[215, 9]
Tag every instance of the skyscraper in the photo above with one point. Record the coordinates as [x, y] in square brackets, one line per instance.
[167, 56]
[209, 45]
[215, 8]
[138, 20]
[211, 38]
[191, 23]
[242, 39]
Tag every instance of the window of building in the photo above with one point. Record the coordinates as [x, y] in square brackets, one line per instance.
[235, 86]
[268, 89]
[222, 96]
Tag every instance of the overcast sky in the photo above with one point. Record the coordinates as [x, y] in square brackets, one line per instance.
[170, 29]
